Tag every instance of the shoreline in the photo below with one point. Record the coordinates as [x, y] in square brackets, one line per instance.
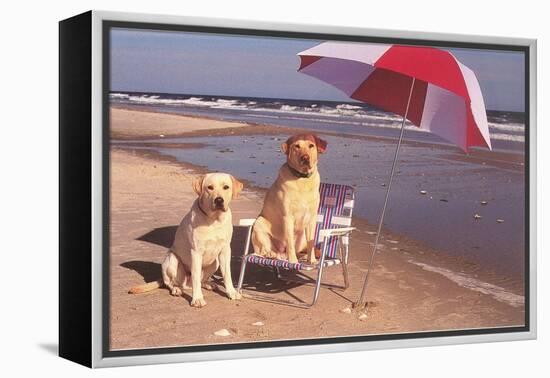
[509, 158]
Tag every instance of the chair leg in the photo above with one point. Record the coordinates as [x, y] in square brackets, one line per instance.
[320, 273]
[277, 273]
[241, 275]
[344, 256]
[243, 262]
[317, 286]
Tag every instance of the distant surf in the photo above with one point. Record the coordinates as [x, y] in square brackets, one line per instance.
[503, 126]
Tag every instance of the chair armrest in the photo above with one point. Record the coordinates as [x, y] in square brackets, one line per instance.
[247, 222]
[328, 232]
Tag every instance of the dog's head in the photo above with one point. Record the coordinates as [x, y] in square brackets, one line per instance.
[216, 190]
[302, 151]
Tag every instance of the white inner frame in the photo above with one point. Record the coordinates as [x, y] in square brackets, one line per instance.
[97, 118]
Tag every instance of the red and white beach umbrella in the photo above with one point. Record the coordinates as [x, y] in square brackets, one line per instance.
[425, 85]
[446, 98]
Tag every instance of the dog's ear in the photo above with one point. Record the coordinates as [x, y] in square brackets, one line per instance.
[284, 148]
[321, 144]
[237, 187]
[197, 185]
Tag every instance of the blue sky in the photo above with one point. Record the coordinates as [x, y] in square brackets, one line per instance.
[195, 63]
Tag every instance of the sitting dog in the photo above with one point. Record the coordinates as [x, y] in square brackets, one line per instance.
[202, 241]
[287, 222]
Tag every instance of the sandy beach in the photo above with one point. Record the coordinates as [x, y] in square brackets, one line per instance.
[413, 286]
[132, 124]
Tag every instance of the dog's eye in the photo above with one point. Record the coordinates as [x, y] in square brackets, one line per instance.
[311, 145]
[225, 187]
[296, 146]
[210, 187]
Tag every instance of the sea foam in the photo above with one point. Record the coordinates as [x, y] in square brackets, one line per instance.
[463, 280]
[335, 113]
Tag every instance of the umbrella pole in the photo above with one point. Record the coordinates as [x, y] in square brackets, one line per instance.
[361, 303]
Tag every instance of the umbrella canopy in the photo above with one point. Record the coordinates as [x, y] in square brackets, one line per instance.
[445, 98]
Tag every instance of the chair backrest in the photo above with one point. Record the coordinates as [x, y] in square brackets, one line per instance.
[335, 211]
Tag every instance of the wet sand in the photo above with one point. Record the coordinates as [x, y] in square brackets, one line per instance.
[412, 289]
[133, 124]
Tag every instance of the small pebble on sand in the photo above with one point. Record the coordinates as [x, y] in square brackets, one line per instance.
[477, 216]
[363, 317]
[346, 310]
[500, 220]
[258, 324]
[484, 202]
[161, 135]
[423, 192]
[222, 332]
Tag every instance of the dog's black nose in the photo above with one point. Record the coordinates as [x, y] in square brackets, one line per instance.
[218, 201]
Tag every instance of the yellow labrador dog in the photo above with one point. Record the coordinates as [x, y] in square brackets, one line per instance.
[286, 225]
[202, 241]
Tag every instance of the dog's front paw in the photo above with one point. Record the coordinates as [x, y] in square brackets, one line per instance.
[198, 302]
[209, 286]
[234, 295]
[176, 291]
[312, 260]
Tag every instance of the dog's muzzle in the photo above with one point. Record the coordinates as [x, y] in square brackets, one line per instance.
[304, 159]
[219, 203]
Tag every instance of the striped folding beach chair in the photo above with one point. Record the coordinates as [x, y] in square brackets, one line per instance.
[331, 238]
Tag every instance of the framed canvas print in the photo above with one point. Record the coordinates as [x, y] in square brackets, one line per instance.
[236, 189]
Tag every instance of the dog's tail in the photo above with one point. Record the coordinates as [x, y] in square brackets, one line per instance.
[149, 286]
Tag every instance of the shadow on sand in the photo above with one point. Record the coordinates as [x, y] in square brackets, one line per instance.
[163, 236]
[262, 279]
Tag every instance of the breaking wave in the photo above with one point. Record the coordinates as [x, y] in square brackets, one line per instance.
[506, 126]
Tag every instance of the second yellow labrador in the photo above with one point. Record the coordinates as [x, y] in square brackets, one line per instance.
[286, 225]
[202, 241]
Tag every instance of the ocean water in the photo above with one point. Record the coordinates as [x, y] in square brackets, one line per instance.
[507, 128]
